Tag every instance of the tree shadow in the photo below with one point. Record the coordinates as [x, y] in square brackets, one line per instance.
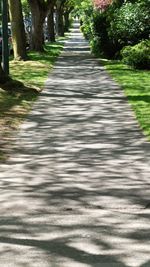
[76, 188]
[145, 98]
[61, 248]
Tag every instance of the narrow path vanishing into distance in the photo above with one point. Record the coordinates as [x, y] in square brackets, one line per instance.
[75, 192]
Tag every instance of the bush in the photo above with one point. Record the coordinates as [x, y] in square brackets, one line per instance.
[86, 18]
[130, 23]
[102, 43]
[120, 24]
[86, 28]
[137, 56]
[95, 46]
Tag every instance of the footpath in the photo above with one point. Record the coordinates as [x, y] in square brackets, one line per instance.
[75, 192]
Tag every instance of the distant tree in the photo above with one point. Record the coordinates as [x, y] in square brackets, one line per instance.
[39, 11]
[59, 17]
[68, 7]
[63, 9]
[51, 25]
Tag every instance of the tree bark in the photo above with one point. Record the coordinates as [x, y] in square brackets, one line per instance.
[51, 26]
[38, 18]
[18, 31]
[66, 21]
[59, 21]
[39, 11]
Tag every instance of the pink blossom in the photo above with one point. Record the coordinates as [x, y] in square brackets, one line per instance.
[102, 4]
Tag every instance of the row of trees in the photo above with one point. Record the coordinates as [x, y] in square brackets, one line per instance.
[109, 24]
[38, 11]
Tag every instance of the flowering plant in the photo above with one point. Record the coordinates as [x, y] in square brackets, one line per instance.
[102, 4]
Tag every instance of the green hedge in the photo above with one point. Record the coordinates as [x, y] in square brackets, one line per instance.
[126, 23]
[137, 56]
[130, 23]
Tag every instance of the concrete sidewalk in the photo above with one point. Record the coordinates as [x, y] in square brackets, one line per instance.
[76, 189]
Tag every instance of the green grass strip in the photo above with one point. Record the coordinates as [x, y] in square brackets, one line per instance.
[17, 99]
[136, 85]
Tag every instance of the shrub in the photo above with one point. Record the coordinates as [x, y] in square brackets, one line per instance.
[86, 15]
[137, 56]
[86, 28]
[120, 24]
[101, 40]
[130, 23]
[95, 46]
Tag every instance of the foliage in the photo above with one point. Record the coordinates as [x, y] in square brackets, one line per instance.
[95, 27]
[80, 6]
[130, 23]
[117, 25]
[100, 37]
[86, 18]
[25, 7]
[138, 56]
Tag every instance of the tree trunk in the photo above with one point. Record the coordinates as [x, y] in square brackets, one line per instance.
[66, 21]
[38, 18]
[59, 19]
[18, 31]
[51, 26]
[39, 11]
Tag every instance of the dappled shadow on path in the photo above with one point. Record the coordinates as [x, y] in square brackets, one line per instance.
[75, 192]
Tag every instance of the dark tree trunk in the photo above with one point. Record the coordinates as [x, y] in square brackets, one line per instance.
[51, 26]
[39, 11]
[66, 21]
[38, 18]
[59, 22]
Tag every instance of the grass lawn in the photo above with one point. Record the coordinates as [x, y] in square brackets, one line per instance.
[17, 99]
[136, 84]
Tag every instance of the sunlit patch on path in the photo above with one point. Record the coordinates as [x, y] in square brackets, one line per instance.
[75, 192]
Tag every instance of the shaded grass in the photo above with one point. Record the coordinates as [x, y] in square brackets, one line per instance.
[17, 98]
[136, 85]
[34, 71]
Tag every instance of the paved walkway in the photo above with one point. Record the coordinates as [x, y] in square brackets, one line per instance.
[76, 189]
